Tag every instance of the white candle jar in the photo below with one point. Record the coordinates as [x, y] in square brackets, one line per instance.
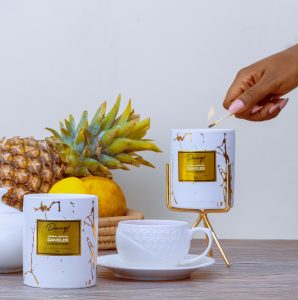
[60, 240]
[200, 159]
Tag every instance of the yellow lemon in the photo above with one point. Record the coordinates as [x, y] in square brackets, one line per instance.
[70, 185]
[111, 200]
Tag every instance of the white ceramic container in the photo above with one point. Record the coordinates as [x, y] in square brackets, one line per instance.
[11, 237]
[199, 159]
[60, 240]
[157, 243]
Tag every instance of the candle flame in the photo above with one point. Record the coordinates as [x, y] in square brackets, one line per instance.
[211, 114]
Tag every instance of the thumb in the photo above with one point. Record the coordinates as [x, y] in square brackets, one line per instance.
[250, 97]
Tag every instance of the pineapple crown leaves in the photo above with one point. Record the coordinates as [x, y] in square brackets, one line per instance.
[108, 142]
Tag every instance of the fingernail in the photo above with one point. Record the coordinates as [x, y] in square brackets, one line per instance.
[273, 109]
[283, 103]
[236, 106]
[255, 109]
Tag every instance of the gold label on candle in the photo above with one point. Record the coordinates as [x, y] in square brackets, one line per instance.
[58, 237]
[197, 165]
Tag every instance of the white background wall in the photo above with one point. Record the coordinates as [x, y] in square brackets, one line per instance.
[174, 59]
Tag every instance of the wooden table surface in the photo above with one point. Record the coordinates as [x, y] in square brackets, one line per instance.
[259, 270]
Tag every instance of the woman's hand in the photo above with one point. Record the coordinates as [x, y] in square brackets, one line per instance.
[256, 92]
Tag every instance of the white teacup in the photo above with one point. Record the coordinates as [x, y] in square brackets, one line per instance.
[157, 243]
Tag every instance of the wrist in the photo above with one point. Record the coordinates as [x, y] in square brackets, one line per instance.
[293, 52]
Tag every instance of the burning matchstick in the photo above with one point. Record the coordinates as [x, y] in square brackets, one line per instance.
[211, 115]
[281, 102]
[219, 120]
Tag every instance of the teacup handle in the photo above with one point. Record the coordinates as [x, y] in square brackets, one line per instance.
[207, 231]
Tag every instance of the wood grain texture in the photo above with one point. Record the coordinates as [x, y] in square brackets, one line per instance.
[260, 270]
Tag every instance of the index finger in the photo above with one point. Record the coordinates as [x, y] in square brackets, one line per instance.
[235, 90]
[243, 81]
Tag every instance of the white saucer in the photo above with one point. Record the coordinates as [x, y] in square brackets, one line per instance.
[118, 267]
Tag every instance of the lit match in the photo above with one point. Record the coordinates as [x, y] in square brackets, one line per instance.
[220, 120]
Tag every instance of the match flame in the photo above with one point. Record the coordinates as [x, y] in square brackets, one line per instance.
[211, 114]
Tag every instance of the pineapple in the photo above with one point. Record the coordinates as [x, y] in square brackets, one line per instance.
[89, 148]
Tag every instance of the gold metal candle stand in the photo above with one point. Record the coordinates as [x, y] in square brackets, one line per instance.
[203, 213]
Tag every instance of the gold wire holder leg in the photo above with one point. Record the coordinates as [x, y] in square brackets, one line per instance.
[203, 213]
[207, 239]
[221, 250]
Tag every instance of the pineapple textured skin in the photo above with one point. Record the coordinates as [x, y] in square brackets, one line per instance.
[27, 166]
[92, 148]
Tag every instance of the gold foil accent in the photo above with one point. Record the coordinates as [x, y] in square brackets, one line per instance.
[45, 208]
[225, 176]
[90, 221]
[56, 237]
[197, 165]
[31, 271]
[180, 138]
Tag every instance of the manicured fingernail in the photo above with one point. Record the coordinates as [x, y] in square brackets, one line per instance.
[236, 106]
[255, 109]
[283, 103]
[273, 109]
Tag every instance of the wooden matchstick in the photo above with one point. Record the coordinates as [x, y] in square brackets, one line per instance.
[219, 120]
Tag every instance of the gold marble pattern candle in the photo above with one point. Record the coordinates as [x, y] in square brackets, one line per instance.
[199, 162]
[60, 240]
